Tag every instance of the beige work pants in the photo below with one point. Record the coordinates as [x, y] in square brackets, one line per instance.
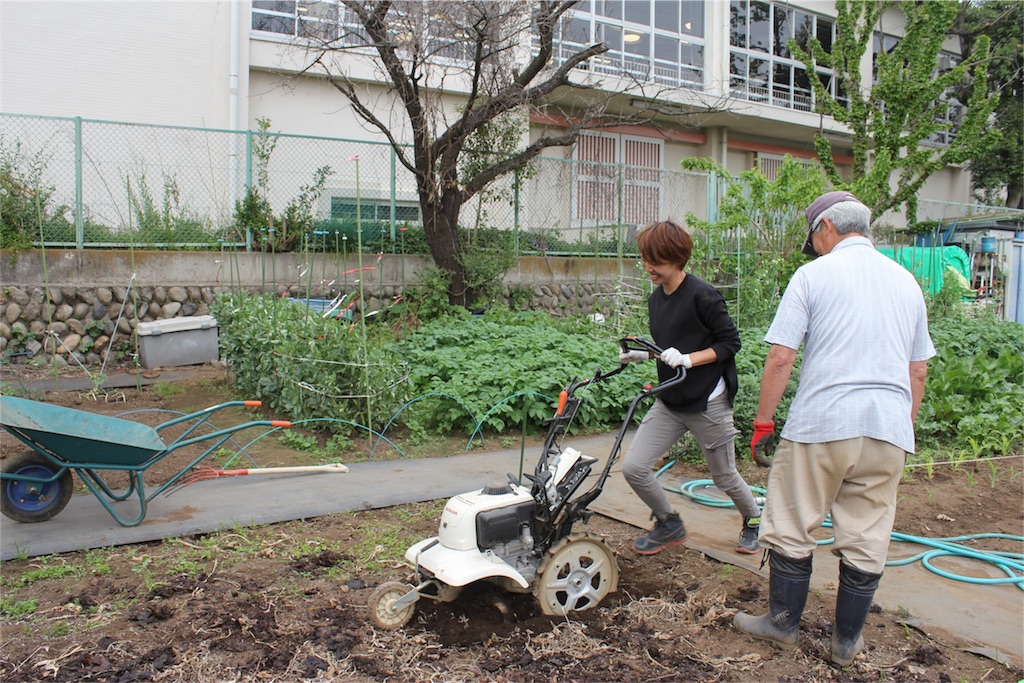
[854, 479]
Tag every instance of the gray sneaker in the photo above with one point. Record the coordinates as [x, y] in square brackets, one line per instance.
[749, 544]
[669, 531]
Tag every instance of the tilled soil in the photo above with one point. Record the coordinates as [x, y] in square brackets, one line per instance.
[288, 602]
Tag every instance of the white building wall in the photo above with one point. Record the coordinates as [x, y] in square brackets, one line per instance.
[194, 63]
[143, 61]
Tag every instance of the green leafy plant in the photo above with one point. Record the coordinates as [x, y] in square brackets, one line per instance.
[167, 389]
[58, 630]
[764, 218]
[145, 571]
[254, 217]
[428, 298]
[17, 609]
[48, 572]
[993, 474]
[1014, 474]
[28, 211]
[303, 365]
[20, 337]
[971, 481]
[298, 441]
[972, 395]
[166, 222]
[453, 360]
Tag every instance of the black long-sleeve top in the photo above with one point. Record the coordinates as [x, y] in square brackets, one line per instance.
[692, 318]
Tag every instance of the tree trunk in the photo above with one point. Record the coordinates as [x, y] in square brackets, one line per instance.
[440, 227]
[1015, 196]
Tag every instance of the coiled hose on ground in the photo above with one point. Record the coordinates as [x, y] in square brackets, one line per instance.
[1012, 564]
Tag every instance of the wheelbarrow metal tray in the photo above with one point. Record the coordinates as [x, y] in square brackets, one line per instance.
[79, 437]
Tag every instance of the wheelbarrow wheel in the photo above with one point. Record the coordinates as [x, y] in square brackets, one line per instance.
[29, 501]
[381, 606]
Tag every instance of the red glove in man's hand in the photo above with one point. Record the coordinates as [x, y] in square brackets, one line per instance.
[763, 443]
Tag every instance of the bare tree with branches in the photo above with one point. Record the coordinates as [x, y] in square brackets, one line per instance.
[498, 57]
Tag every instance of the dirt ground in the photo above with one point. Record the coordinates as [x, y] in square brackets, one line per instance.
[287, 602]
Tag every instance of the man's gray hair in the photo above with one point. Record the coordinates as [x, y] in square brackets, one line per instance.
[848, 217]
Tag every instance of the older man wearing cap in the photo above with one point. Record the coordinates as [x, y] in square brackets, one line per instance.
[861, 319]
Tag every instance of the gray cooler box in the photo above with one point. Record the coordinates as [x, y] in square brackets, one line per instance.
[178, 341]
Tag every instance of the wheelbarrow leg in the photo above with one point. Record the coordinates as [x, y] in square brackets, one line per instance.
[103, 493]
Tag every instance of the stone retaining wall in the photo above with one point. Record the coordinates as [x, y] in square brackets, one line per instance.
[78, 316]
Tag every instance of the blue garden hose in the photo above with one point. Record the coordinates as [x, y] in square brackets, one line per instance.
[1012, 564]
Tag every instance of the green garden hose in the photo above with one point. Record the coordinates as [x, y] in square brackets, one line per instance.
[1012, 564]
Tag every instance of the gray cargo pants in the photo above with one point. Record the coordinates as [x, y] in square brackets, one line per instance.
[714, 431]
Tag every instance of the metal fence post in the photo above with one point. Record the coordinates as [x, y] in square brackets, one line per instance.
[515, 211]
[620, 237]
[79, 219]
[712, 195]
[248, 184]
[394, 191]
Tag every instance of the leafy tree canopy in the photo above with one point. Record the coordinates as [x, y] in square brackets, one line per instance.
[892, 119]
[1002, 22]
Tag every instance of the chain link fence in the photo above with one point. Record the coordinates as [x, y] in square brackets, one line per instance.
[87, 183]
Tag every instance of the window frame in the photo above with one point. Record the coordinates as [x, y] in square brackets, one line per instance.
[596, 199]
[381, 210]
[780, 83]
[590, 23]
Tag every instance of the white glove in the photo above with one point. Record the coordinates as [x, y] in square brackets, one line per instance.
[633, 356]
[673, 358]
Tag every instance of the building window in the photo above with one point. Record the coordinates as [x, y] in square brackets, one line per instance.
[762, 67]
[373, 211]
[768, 165]
[651, 41]
[617, 179]
[274, 16]
[315, 19]
[948, 117]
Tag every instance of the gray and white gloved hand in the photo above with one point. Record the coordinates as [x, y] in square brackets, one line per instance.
[673, 358]
[633, 356]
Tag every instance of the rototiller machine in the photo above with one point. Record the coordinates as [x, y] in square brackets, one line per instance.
[520, 535]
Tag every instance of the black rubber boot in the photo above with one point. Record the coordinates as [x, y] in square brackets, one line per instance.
[856, 591]
[788, 582]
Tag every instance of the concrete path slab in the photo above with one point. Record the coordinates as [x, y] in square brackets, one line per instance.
[992, 615]
[118, 381]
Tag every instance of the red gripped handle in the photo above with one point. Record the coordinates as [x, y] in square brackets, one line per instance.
[273, 423]
[562, 398]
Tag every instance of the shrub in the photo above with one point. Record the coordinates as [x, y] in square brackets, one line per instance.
[503, 364]
[303, 365]
[27, 209]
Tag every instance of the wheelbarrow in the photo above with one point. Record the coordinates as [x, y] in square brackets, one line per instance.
[37, 484]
